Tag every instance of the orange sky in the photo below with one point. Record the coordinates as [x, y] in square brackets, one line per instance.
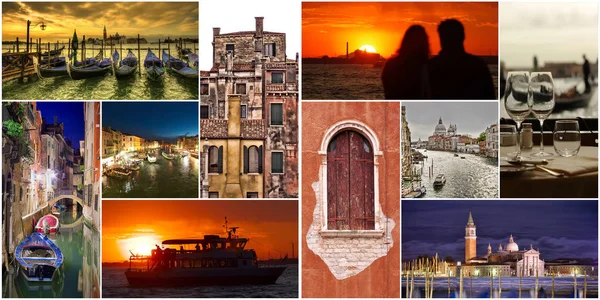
[327, 26]
[138, 225]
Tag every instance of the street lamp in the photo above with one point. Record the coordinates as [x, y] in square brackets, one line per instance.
[42, 26]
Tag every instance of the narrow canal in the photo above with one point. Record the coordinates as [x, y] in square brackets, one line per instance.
[175, 178]
[471, 177]
[77, 277]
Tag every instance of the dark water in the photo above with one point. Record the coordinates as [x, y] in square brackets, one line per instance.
[472, 177]
[177, 178]
[114, 285]
[343, 82]
[348, 82]
[480, 288]
[171, 87]
[78, 276]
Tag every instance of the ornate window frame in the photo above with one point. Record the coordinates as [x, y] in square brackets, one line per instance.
[369, 134]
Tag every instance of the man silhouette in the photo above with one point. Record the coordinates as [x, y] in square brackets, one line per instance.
[586, 74]
[456, 74]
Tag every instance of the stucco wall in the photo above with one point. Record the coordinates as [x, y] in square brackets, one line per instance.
[380, 277]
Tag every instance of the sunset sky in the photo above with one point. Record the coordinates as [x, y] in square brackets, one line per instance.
[138, 225]
[151, 20]
[326, 27]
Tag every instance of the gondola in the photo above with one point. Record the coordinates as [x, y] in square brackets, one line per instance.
[178, 66]
[99, 68]
[193, 60]
[154, 67]
[46, 71]
[126, 67]
[183, 52]
[54, 52]
[39, 257]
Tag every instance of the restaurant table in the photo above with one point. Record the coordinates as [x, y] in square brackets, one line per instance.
[581, 180]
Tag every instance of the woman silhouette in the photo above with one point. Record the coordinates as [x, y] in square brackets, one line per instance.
[405, 75]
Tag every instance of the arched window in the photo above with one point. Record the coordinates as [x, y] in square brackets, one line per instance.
[253, 159]
[253, 162]
[215, 159]
[350, 182]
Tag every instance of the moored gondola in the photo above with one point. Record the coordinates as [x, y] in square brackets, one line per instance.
[154, 67]
[126, 67]
[99, 68]
[178, 66]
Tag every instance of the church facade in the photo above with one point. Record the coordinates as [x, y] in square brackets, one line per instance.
[507, 261]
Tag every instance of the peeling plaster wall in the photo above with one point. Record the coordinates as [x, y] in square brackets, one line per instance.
[342, 266]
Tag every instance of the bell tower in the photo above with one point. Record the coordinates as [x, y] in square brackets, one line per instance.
[470, 239]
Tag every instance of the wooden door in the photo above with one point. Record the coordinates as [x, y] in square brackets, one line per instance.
[350, 183]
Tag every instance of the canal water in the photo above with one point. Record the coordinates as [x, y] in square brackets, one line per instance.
[114, 285]
[472, 177]
[480, 288]
[78, 276]
[171, 87]
[177, 178]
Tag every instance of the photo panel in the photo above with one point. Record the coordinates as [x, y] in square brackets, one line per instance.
[51, 204]
[200, 248]
[549, 100]
[90, 51]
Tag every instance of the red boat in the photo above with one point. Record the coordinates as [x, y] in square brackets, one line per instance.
[47, 224]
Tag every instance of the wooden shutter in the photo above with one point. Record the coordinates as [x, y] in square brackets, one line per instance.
[260, 159]
[246, 160]
[220, 169]
[274, 52]
[350, 183]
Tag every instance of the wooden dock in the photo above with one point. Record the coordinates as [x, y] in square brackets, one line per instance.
[20, 67]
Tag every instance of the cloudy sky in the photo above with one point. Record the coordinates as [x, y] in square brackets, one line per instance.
[151, 20]
[561, 31]
[327, 26]
[470, 117]
[233, 16]
[557, 228]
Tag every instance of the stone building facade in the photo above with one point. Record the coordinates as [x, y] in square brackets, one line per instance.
[252, 66]
[406, 146]
[92, 153]
[350, 248]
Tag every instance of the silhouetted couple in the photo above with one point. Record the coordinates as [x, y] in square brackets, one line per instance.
[452, 74]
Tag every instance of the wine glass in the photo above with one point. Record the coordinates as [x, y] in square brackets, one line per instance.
[541, 99]
[516, 100]
[566, 138]
[509, 146]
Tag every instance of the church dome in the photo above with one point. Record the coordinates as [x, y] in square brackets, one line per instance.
[440, 128]
[511, 246]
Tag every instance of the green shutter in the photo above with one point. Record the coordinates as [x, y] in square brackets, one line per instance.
[220, 167]
[260, 160]
[246, 157]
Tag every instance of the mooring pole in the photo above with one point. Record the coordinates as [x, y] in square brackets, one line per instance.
[139, 65]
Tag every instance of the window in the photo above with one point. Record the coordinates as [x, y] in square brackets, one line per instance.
[243, 111]
[204, 112]
[276, 113]
[277, 162]
[240, 88]
[230, 47]
[251, 195]
[204, 89]
[350, 175]
[215, 158]
[96, 202]
[213, 194]
[253, 159]
[270, 49]
[277, 77]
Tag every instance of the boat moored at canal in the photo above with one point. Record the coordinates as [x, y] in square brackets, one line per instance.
[118, 172]
[215, 261]
[38, 257]
[47, 224]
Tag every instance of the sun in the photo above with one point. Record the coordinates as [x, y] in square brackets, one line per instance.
[368, 48]
[140, 244]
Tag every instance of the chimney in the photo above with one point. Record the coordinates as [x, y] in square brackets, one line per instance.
[259, 26]
[233, 188]
[216, 31]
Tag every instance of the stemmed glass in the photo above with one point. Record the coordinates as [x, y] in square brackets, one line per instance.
[541, 99]
[516, 100]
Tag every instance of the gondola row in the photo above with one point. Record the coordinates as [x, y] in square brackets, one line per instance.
[121, 68]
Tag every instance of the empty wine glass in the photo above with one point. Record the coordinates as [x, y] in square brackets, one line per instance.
[509, 145]
[516, 99]
[566, 137]
[541, 99]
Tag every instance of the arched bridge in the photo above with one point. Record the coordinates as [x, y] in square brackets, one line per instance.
[72, 197]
